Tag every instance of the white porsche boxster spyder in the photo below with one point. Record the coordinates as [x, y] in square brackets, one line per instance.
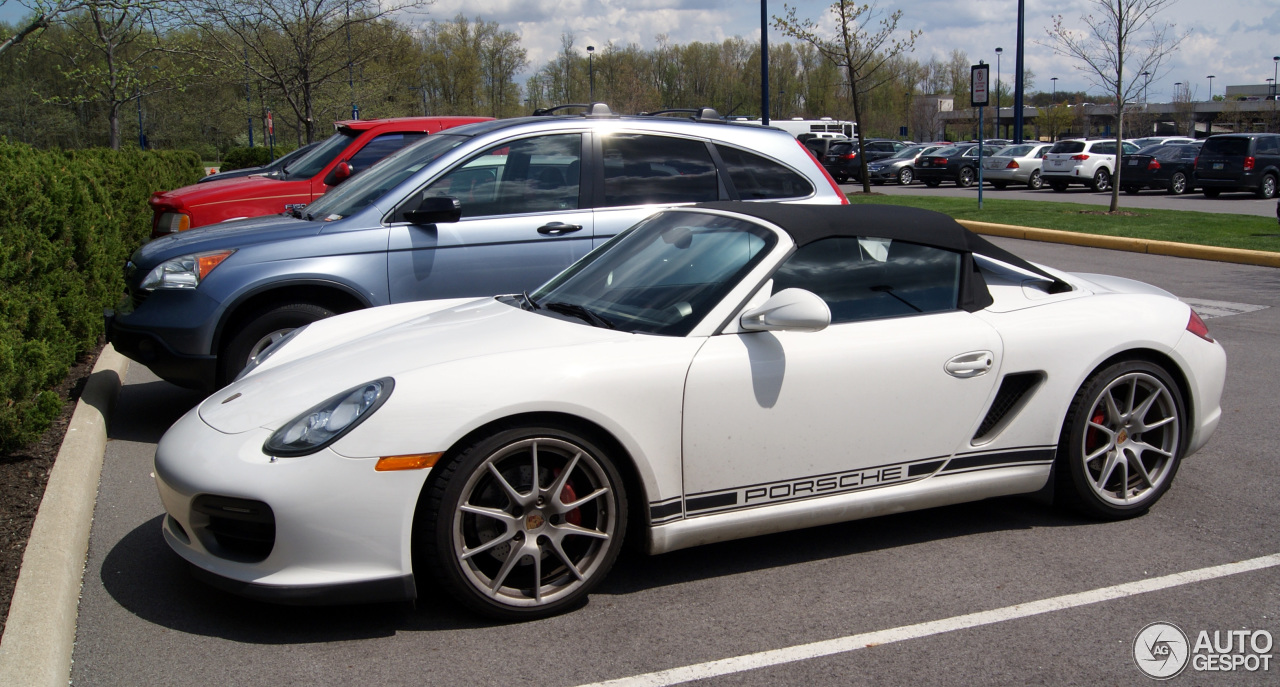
[718, 371]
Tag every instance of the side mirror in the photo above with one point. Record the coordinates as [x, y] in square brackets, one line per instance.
[788, 310]
[340, 173]
[435, 210]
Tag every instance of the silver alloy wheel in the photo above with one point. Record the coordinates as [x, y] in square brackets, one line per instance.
[261, 344]
[1101, 180]
[1268, 189]
[1178, 183]
[1035, 183]
[1130, 439]
[905, 176]
[534, 522]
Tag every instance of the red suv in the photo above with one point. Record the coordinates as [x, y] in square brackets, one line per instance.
[355, 146]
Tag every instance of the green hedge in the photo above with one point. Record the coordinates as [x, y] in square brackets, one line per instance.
[239, 158]
[68, 222]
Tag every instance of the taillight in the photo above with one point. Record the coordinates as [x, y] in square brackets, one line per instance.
[1154, 164]
[1197, 162]
[1013, 164]
[850, 156]
[939, 160]
[1248, 164]
[844, 200]
[170, 223]
[1196, 326]
[1081, 156]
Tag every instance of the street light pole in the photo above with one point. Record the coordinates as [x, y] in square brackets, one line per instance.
[1145, 83]
[764, 62]
[591, 72]
[1211, 77]
[998, 51]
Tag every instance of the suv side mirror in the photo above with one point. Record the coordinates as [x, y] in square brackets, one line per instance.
[788, 310]
[340, 173]
[435, 210]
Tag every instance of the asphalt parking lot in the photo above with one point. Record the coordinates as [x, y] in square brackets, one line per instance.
[145, 621]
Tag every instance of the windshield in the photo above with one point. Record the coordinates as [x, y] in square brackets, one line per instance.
[660, 277]
[364, 188]
[320, 156]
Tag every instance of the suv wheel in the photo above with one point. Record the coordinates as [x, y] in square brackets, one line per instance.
[263, 329]
[1101, 180]
[1267, 190]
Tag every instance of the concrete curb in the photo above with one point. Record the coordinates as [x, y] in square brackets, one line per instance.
[41, 630]
[1239, 256]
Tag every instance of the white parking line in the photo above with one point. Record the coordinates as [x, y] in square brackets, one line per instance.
[764, 659]
[1210, 309]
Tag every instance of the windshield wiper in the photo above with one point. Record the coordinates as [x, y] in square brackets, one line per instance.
[580, 312]
[532, 304]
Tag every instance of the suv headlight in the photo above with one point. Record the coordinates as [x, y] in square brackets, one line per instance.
[184, 271]
[327, 422]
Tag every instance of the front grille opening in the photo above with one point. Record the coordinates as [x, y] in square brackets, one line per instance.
[1015, 390]
[178, 530]
[237, 529]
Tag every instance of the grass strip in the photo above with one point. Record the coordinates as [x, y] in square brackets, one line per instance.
[1182, 226]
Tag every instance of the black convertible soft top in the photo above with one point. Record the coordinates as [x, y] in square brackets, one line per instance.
[809, 223]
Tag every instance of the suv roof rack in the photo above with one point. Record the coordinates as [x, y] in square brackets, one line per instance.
[699, 114]
[596, 109]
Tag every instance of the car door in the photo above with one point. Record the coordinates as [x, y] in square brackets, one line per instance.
[896, 383]
[522, 222]
[643, 173]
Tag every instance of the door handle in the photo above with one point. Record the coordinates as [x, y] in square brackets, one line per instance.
[967, 365]
[558, 228]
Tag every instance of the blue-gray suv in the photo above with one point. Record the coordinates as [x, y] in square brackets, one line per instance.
[489, 208]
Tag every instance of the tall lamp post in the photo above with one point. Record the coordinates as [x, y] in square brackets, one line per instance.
[1053, 103]
[1211, 77]
[1146, 76]
[998, 51]
[1275, 77]
[591, 72]
[1177, 95]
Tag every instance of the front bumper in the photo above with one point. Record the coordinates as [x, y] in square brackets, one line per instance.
[339, 532]
[171, 332]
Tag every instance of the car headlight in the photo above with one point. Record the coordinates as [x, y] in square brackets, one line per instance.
[327, 422]
[184, 271]
[269, 351]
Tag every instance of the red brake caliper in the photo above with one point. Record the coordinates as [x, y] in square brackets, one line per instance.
[1092, 436]
[567, 495]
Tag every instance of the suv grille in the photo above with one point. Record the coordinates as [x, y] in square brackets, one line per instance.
[244, 530]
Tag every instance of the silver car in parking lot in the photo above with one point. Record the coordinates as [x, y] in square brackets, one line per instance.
[1017, 164]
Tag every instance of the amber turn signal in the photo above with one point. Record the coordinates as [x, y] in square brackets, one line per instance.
[416, 461]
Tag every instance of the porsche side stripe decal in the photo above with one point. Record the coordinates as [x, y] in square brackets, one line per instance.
[769, 493]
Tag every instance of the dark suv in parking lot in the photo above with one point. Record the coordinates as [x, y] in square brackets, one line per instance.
[1239, 162]
[842, 161]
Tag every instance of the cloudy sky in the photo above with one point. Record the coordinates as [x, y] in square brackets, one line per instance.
[1231, 39]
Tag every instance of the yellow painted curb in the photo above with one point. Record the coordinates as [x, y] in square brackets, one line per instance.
[1239, 256]
[40, 631]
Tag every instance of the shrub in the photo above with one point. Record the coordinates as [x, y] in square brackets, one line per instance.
[239, 158]
[68, 222]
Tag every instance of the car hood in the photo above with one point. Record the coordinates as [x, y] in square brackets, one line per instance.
[233, 234]
[222, 190]
[393, 340]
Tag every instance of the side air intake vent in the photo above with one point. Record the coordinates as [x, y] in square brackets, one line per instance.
[1015, 390]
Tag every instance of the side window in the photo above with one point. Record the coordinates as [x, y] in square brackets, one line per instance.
[758, 178]
[1040, 153]
[529, 175]
[1108, 148]
[868, 278]
[380, 147]
[640, 169]
[1269, 145]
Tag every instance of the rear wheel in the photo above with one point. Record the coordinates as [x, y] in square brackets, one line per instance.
[906, 176]
[1267, 190]
[1178, 184]
[1122, 441]
[1101, 180]
[965, 178]
[1035, 183]
[524, 523]
[263, 329]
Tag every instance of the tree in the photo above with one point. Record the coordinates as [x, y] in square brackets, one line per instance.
[863, 42]
[1124, 39]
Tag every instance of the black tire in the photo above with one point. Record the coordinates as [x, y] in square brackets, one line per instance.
[1211, 192]
[1132, 190]
[1000, 185]
[906, 176]
[261, 330]
[457, 546]
[933, 183]
[1178, 184]
[1267, 189]
[1092, 485]
[1101, 180]
[965, 178]
[1058, 186]
[1035, 183]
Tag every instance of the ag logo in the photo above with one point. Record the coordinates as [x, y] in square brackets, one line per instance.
[1161, 650]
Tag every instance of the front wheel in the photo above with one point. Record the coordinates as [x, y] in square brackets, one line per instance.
[524, 523]
[905, 176]
[1035, 183]
[263, 329]
[1101, 180]
[965, 178]
[1122, 441]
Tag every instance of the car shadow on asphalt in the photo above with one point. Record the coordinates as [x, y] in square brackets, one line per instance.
[143, 412]
[148, 580]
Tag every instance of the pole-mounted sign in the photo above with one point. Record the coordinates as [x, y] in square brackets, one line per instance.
[979, 85]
